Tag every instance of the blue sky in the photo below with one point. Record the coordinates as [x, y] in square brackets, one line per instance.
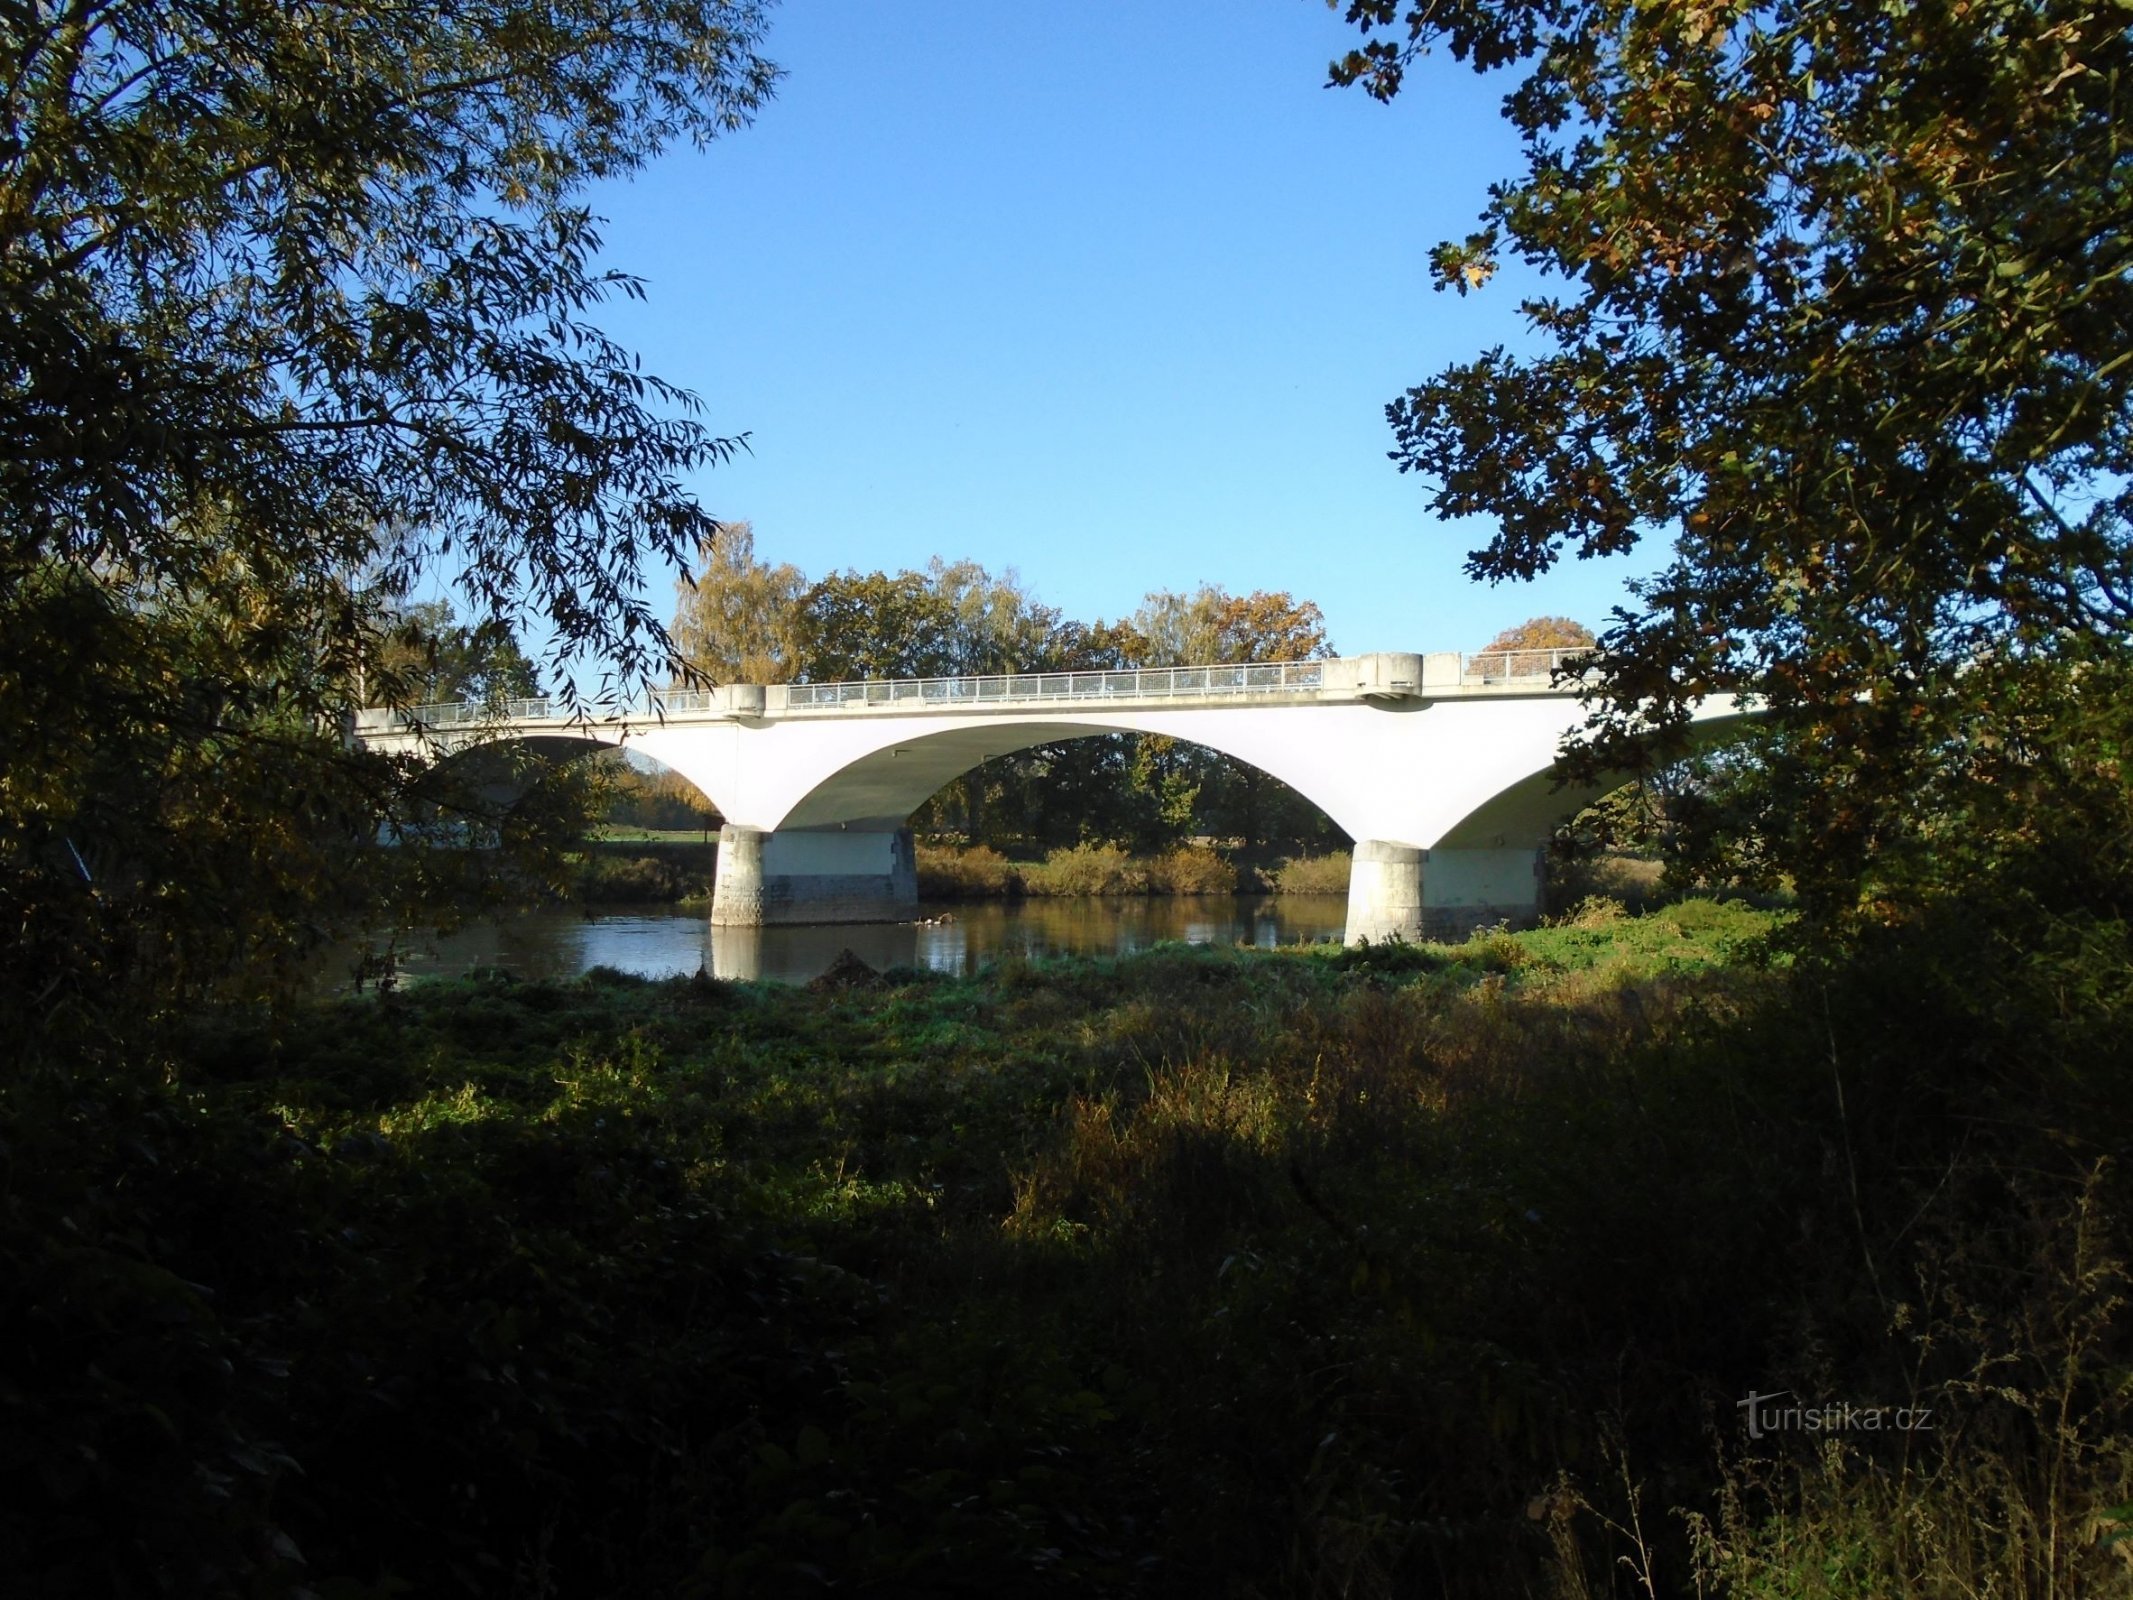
[1113, 294]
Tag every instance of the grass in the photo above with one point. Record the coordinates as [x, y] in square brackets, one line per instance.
[1407, 1269]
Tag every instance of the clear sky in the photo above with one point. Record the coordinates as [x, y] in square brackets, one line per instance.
[1110, 293]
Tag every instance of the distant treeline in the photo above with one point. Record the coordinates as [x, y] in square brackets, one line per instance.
[744, 620]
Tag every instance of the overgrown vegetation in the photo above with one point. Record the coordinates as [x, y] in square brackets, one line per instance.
[642, 872]
[1390, 1270]
[298, 319]
[979, 872]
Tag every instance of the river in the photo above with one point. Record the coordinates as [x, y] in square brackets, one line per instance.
[659, 942]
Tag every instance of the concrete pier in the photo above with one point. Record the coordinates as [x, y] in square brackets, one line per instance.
[1384, 892]
[768, 879]
[1467, 889]
[1399, 891]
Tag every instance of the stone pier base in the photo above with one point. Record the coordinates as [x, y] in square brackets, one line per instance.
[1399, 891]
[799, 876]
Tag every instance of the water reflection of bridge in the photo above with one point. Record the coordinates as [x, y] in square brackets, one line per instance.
[1437, 766]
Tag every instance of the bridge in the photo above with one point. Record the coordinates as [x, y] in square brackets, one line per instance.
[1437, 766]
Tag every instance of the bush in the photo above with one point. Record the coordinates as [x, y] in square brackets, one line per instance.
[1088, 869]
[605, 879]
[978, 873]
[1594, 914]
[1326, 874]
[1631, 880]
[1191, 869]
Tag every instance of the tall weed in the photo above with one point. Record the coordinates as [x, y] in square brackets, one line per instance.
[2018, 1480]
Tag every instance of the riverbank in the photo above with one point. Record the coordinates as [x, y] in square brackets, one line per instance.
[978, 872]
[641, 868]
[645, 870]
[1409, 1268]
[557, 943]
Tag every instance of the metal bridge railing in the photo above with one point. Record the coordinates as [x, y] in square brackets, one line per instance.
[987, 689]
[1137, 683]
[462, 713]
[1501, 666]
[1015, 688]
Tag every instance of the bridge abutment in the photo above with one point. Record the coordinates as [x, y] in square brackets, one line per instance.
[766, 879]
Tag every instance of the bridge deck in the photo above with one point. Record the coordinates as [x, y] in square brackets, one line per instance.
[1374, 677]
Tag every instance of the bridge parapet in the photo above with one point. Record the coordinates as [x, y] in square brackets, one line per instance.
[1380, 677]
[1312, 680]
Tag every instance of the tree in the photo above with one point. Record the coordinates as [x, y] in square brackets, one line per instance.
[1839, 298]
[1263, 626]
[1543, 633]
[297, 308]
[739, 620]
[996, 625]
[447, 660]
[953, 619]
[872, 625]
[1211, 625]
[1229, 798]
[661, 799]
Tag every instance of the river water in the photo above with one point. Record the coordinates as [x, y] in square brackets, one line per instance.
[659, 942]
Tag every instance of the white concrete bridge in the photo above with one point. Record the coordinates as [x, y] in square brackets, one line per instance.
[1437, 766]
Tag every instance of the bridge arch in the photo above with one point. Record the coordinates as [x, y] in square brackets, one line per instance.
[1527, 810]
[882, 788]
[492, 761]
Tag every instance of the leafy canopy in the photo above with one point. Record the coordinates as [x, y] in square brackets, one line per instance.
[305, 288]
[1543, 633]
[295, 306]
[739, 619]
[449, 660]
[1836, 298]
